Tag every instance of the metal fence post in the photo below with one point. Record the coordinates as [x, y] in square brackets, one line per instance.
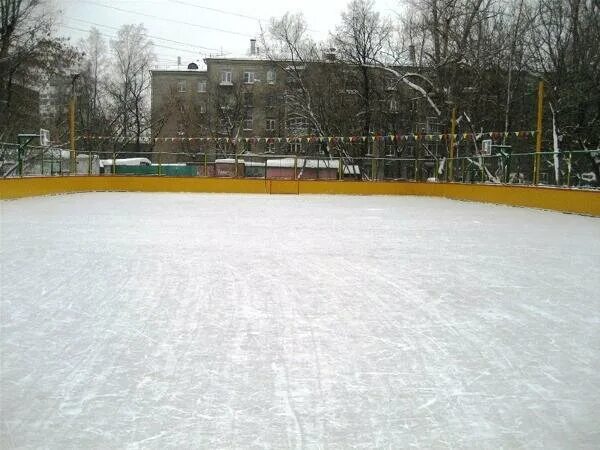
[483, 169]
[318, 169]
[235, 160]
[508, 163]
[20, 160]
[159, 160]
[416, 167]
[450, 168]
[296, 167]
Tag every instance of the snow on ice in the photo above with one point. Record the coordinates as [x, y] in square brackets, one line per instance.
[241, 321]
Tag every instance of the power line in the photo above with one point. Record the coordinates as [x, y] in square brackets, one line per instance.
[221, 11]
[181, 22]
[148, 35]
[162, 59]
[229, 13]
[115, 37]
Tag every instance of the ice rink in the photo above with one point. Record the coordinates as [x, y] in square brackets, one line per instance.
[255, 321]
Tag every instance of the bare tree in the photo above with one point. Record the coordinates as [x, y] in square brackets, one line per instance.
[564, 49]
[290, 49]
[92, 114]
[361, 40]
[231, 112]
[129, 86]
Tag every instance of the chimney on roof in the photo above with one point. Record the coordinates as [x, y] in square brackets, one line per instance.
[252, 46]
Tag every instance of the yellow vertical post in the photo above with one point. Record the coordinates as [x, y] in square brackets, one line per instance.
[72, 168]
[538, 141]
[452, 145]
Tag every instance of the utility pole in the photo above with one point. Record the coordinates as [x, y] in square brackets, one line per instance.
[73, 159]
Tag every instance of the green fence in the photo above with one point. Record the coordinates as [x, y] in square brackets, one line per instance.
[172, 171]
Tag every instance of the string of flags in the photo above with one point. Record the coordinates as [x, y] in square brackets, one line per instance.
[328, 139]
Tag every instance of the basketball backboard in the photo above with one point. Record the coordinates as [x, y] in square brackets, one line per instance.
[44, 138]
[486, 147]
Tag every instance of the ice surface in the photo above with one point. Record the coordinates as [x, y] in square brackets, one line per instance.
[219, 321]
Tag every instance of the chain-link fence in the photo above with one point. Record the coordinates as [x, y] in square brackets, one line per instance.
[566, 169]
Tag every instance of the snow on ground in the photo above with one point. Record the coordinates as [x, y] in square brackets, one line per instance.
[241, 321]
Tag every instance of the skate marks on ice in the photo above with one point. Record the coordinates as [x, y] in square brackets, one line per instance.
[165, 320]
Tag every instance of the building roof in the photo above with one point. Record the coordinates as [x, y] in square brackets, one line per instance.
[240, 58]
[179, 70]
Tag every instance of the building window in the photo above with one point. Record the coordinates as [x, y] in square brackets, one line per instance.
[202, 108]
[248, 77]
[295, 147]
[270, 125]
[393, 105]
[270, 102]
[270, 147]
[271, 76]
[226, 77]
[181, 86]
[182, 108]
[248, 99]
[248, 120]
[202, 86]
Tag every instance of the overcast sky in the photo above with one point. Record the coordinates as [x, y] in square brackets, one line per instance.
[200, 27]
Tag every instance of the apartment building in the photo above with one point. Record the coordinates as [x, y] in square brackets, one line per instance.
[247, 97]
[179, 105]
[242, 98]
[235, 98]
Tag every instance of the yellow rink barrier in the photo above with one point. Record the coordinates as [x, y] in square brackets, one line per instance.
[578, 201]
